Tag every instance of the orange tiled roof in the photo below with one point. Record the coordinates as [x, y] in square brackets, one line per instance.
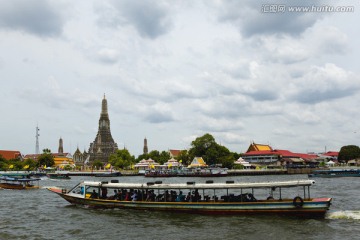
[174, 152]
[9, 154]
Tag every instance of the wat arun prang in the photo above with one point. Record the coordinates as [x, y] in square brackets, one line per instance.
[103, 145]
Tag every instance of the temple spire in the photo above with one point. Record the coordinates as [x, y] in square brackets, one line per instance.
[103, 145]
[145, 150]
[104, 109]
[61, 147]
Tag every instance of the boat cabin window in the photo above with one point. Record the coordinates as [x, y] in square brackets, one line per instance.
[192, 194]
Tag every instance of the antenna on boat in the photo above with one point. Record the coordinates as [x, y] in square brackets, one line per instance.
[37, 151]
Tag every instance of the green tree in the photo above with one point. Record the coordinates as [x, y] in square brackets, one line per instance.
[348, 153]
[3, 163]
[17, 163]
[201, 145]
[121, 159]
[32, 163]
[154, 155]
[184, 157]
[97, 164]
[227, 161]
[164, 157]
[207, 148]
[141, 157]
[46, 158]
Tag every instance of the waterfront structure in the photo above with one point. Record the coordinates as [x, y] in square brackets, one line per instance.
[62, 158]
[146, 149]
[80, 157]
[244, 163]
[11, 154]
[172, 163]
[174, 153]
[259, 147]
[144, 165]
[262, 154]
[198, 162]
[103, 145]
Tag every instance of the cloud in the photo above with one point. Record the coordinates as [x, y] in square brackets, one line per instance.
[158, 113]
[324, 83]
[149, 18]
[53, 95]
[208, 124]
[37, 17]
[249, 17]
[107, 55]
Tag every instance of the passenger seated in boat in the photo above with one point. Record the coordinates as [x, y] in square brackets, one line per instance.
[166, 197]
[152, 196]
[188, 197]
[114, 196]
[94, 194]
[173, 196]
[247, 197]
[127, 196]
[104, 193]
[180, 197]
[159, 198]
[148, 196]
[123, 194]
[134, 196]
[196, 196]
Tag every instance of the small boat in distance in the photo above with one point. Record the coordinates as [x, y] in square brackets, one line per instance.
[333, 173]
[18, 183]
[202, 198]
[58, 176]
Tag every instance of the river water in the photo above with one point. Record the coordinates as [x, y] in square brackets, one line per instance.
[40, 214]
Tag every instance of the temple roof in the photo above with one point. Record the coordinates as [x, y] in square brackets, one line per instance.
[9, 154]
[259, 147]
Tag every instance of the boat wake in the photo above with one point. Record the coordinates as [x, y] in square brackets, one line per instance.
[344, 215]
[46, 187]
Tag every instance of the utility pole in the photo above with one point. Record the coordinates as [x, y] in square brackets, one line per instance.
[37, 151]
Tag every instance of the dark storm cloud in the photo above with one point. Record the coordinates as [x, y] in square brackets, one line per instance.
[36, 17]
[252, 17]
[149, 18]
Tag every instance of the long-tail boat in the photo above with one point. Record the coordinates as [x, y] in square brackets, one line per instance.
[19, 183]
[265, 198]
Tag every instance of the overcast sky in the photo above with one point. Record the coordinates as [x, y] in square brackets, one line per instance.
[175, 70]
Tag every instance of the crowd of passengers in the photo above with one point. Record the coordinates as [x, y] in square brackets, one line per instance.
[166, 196]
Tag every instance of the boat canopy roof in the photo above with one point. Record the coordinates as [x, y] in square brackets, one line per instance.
[5, 178]
[192, 185]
